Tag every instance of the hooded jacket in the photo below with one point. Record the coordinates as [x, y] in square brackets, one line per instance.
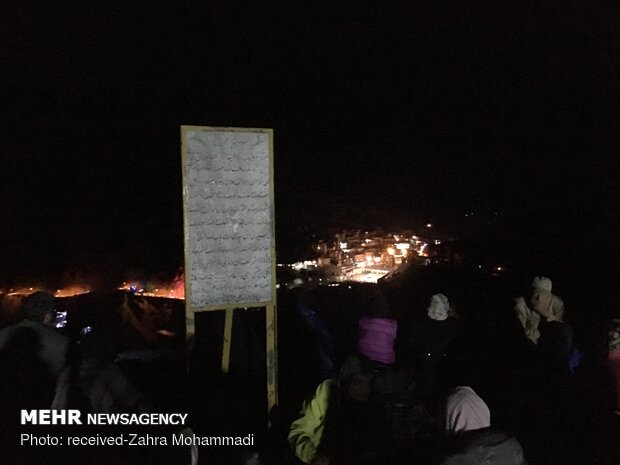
[545, 305]
[550, 306]
[466, 411]
[474, 442]
[529, 320]
[486, 447]
[306, 432]
[353, 432]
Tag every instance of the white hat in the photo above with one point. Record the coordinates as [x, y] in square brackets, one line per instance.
[542, 283]
[439, 307]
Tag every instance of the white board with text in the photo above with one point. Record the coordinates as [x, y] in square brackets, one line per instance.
[228, 215]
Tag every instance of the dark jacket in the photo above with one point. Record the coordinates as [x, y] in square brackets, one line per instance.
[356, 433]
[52, 346]
[429, 343]
[485, 447]
[430, 340]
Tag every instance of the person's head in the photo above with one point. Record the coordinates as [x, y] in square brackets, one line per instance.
[541, 293]
[466, 411]
[439, 307]
[376, 339]
[355, 379]
[359, 387]
[39, 306]
[542, 283]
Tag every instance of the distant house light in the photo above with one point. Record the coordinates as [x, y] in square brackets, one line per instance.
[429, 225]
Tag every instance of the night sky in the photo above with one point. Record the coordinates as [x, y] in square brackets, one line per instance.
[383, 116]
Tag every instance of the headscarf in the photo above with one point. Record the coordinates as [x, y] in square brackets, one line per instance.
[466, 411]
[546, 303]
[542, 283]
[439, 307]
[376, 339]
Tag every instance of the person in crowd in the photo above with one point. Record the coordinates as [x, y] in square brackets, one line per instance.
[341, 424]
[108, 390]
[104, 384]
[393, 383]
[39, 312]
[547, 304]
[25, 383]
[430, 338]
[376, 339]
[31, 357]
[544, 324]
[471, 439]
[544, 304]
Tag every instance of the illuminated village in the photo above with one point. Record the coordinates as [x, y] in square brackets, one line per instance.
[369, 256]
[351, 255]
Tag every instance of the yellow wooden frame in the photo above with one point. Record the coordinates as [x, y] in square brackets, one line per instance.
[270, 306]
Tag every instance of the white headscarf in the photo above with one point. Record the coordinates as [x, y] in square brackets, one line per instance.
[439, 307]
[544, 301]
[466, 411]
[542, 283]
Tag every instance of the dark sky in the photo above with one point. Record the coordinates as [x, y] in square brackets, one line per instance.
[383, 112]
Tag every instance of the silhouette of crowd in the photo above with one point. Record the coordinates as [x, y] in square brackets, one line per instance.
[441, 375]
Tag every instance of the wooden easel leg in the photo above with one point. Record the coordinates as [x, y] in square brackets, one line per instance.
[228, 322]
[190, 334]
[272, 356]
